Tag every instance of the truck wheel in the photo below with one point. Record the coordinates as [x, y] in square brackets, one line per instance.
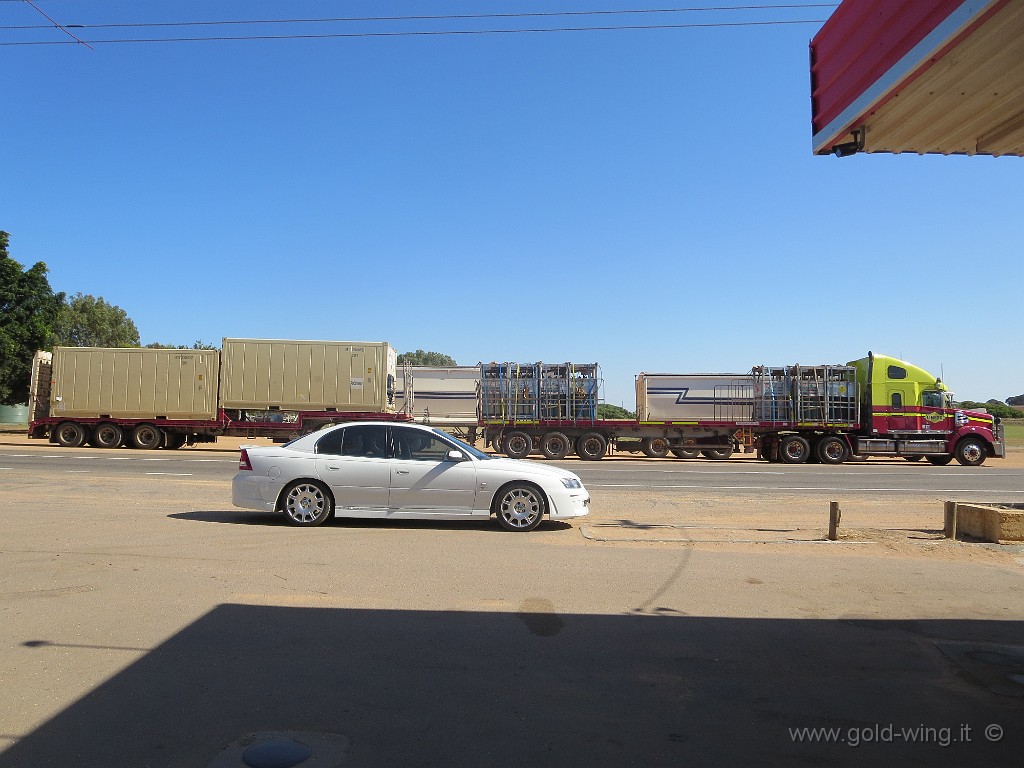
[147, 437]
[107, 435]
[971, 452]
[940, 461]
[555, 445]
[717, 454]
[654, 447]
[794, 450]
[518, 445]
[70, 434]
[591, 447]
[174, 440]
[913, 458]
[496, 446]
[832, 450]
[685, 453]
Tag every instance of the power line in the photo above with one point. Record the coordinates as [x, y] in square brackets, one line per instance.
[422, 33]
[440, 17]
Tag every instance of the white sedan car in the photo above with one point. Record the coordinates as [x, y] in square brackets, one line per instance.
[393, 470]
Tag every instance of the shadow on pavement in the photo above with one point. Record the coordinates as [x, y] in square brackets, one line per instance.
[277, 519]
[540, 689]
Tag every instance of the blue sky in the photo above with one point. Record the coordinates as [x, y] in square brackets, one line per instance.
[645, 199]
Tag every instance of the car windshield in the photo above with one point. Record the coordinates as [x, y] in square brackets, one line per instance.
[476, 454]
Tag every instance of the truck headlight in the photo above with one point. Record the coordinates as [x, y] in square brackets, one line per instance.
[571, 482]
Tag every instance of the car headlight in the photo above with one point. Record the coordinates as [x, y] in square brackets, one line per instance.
[571, 482]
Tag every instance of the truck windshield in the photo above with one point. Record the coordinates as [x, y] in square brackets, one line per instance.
[932, 399]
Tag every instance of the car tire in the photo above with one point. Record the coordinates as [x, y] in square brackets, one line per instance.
[519, 507]
[306, 503]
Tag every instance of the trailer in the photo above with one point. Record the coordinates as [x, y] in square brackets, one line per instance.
[874, 406]
[166, 398]
[442, 396]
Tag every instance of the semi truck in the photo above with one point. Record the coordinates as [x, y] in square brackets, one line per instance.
[167, 398]
[874, 406]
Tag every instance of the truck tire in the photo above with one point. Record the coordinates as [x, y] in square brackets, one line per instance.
[685, 453]
[794, 450]
[174, 440]
[718, 454]
[654, 447]
[832, 450]
[971, 452]
[592, 446]
[147, 437]
[555, 445]
[517, 445]
[70, 434]
[940, 461]
[107, 435]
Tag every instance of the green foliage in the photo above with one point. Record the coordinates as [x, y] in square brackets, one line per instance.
[994, 407]
[85, 321]
[608, 411]
[419, 357]
[28, 312]
[199, 344]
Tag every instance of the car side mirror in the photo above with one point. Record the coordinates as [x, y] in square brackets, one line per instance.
[454, 455]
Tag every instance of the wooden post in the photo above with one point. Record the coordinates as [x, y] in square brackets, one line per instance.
[834, 515]
[949, 527]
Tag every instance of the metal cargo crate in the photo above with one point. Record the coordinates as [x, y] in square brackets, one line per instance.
[286, 375]
[134, 383]
[533, 392]
[441, 395]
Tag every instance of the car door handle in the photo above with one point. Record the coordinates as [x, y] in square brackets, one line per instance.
[333, 466]
[401, 471]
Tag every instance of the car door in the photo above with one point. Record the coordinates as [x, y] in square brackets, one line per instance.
[425, 481]
[355, 462]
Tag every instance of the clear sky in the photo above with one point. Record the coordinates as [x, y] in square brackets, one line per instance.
[645, 199]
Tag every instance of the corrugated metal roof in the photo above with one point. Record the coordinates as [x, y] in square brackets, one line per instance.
[966, 98]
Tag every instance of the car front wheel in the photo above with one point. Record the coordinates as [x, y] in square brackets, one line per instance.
[306, 504]
[519, 507]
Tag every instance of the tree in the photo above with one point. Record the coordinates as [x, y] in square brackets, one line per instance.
[199, 344]
[28, 311]
[419, 357]
[609, 411]
[85, 321]
[1015, 400]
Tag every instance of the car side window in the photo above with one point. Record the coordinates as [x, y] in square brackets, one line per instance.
[366, 441]
[330, 443]
[416, 445]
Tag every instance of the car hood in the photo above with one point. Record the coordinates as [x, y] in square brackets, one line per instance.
[521, 467]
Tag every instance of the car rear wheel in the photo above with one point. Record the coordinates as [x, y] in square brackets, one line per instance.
[306, 504]
[519, 507]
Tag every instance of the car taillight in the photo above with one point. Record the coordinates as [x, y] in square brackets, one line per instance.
[243, 460]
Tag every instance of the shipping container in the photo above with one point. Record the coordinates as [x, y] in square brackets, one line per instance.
[285, 375]
[694, 397]
[133, 383]
[441, 395]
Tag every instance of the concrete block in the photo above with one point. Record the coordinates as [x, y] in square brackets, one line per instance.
[999, 523]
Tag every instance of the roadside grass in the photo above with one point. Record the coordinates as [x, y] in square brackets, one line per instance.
[1014, 433]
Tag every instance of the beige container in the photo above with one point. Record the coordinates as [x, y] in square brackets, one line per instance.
[278, 374]
[90, 382]
[694, 397]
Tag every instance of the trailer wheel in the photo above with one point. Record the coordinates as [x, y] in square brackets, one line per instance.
[518, 445]
[70, 434]
[971, 452]
[717, 454]
[147, 437]
[555, 445]
[940, 461]
[794, 450]
[107, 435]
[592, 446]
[832, 450]
[496, 445]
[654, 447]
[685, 453]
